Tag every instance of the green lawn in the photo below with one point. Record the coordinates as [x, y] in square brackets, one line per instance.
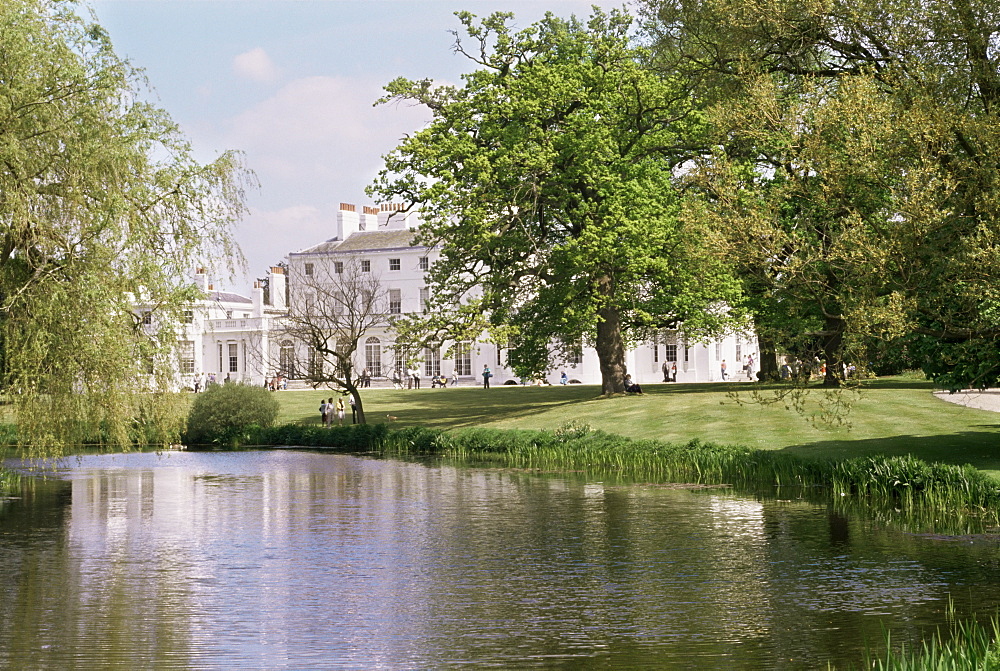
[891, 416]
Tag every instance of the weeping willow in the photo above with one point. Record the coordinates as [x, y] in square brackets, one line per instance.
[102, 208]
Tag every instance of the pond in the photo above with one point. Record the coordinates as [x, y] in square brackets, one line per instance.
[302, 559]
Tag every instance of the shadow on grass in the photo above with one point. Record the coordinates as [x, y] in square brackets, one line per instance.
[978, 448]
[433, 409]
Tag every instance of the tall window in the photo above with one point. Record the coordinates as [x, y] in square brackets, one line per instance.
[315, 364]
[373, 356]
[425, 299]
[432, 361]
[463, 358]
[366, 266]
[718, 350]
[656, 348]
[670, 353]
[394, 264]
[395, 301]
[576, 355]
[424, 263]
[286, 359]
[186, 352]
[234, 357]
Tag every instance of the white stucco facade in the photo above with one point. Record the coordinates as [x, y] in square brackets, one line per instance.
[242, 338]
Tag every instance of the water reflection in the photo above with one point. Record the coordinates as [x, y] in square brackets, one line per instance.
[296, 559]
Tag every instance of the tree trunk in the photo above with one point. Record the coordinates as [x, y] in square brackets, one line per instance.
[768, 359]
[610, 347]
[833, 336]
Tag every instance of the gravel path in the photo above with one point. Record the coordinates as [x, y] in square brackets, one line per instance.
[973, 398]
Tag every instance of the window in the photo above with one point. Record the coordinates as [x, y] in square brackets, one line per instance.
[338, 267]
[425, 299]
[373, 356]
[463, 358]
[424, 263]
[395, 301]
[234, 357]
[286, 359]
[309, 269]
[309, 298]
[366, 266]
[656, 348]
[222, 366]
[394, 264]
[315, 364]
[147, 317]
[187, 317]
[186, 351]
[432, 361]
[576, 355]
[718, 350]
[687, 351]
[671, 353]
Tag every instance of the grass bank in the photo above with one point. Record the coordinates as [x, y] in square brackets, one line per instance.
[891, 417]
[948, 496]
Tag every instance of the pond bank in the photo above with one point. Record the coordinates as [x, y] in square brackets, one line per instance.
[940, 496]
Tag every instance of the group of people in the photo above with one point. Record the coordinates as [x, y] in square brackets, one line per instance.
[330, 410]
[412, 376]
[200, 382]
[669, 369]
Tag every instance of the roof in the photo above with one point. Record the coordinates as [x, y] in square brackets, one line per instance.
[227, 297]
[365, 241]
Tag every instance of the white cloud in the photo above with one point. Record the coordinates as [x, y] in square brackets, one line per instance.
[256, 65]
[321, 135]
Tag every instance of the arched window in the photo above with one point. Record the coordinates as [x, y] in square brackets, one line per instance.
[373, 356]
[286, 359]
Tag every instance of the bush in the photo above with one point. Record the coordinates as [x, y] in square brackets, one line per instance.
[224, 413]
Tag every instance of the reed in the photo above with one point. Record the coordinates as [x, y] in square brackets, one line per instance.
[10, 482]
[937, 493]
[904, 484]
[968, 646]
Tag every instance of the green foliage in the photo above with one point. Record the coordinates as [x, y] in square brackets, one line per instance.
[226, 414]
[969, 646]
[352, 438]
[102, 205]
[548, 180]
[852, 170]
[10, 481]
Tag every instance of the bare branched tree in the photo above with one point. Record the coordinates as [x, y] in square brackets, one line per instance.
[331, 310]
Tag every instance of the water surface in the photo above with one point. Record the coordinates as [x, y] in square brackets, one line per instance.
[298, 559]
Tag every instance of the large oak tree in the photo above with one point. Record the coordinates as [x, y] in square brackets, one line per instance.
[547, 179]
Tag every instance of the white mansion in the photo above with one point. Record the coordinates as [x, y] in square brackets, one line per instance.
[227, 335]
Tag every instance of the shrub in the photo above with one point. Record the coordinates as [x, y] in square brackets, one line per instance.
[224, 413]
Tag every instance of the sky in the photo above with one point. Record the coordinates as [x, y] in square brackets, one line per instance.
[291, 84]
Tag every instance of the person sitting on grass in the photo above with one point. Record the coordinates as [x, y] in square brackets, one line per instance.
[630, 386]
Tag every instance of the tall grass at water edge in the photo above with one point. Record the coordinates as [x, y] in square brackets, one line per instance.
[936, 491]
[968, 646]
